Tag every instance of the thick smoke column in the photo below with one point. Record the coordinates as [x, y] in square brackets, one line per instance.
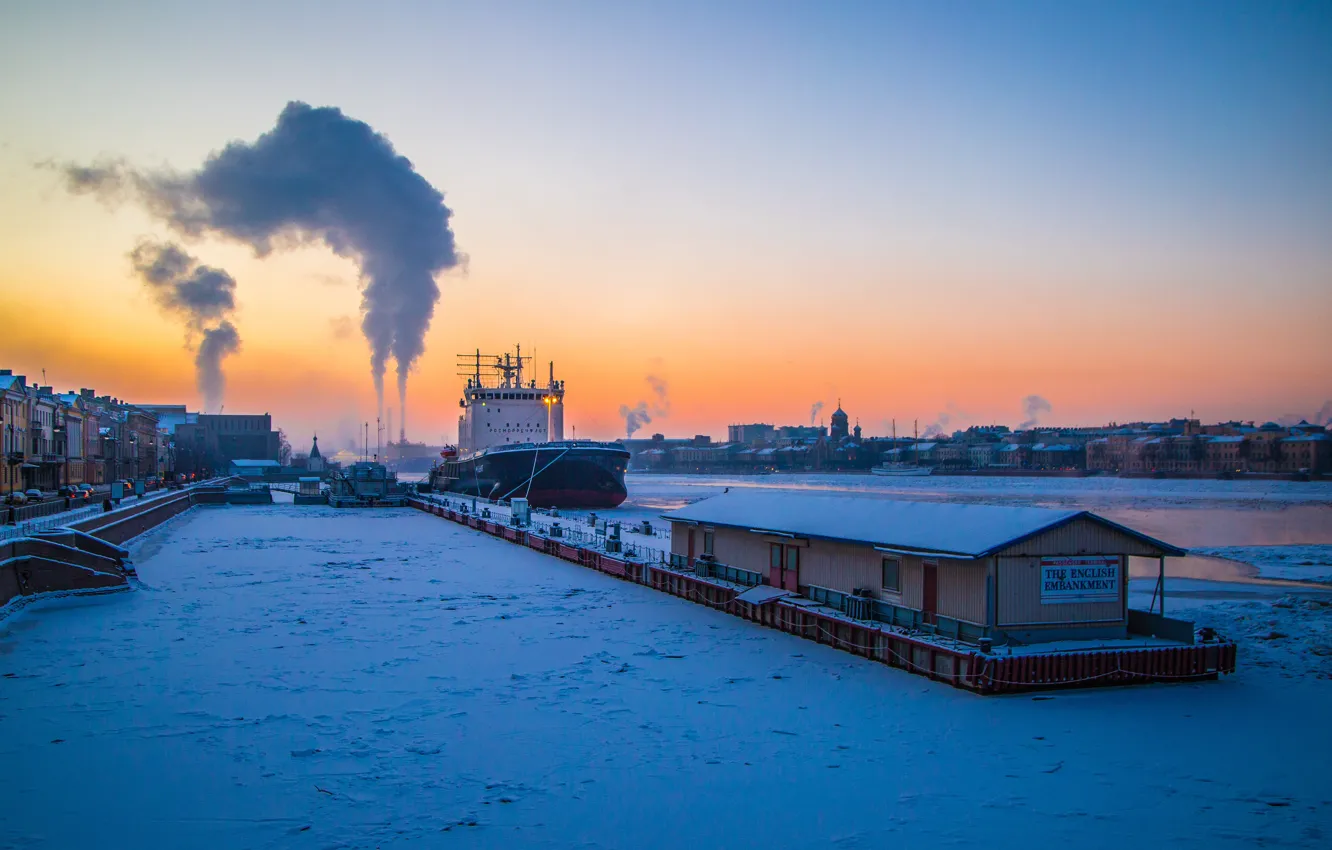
[1033, 406]
[814, 411]
[180, 285]
[217, 343]
[203, 296]
[634, 417]
[317, 176]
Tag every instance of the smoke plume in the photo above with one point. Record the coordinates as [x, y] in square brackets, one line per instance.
[180, 285]
[662, 405]
[204, 297]
[1322, 417]
[317, 176]
[217, 343]
[640, 414]
[814, 411]
[634, 417]
[1033, 406]
[936, 429]
[341, 326]
[951, 413]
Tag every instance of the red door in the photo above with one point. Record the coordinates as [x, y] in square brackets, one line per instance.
[929, 598]
[691, 547]
[775, 565]
[791, 575]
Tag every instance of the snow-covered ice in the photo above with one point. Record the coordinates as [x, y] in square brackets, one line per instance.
[1298, 563]
[303, 677]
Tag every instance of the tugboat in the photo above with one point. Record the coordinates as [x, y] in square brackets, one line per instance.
[511, 442]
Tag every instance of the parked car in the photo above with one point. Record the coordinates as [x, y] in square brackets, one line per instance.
[33, 494]
[69, 491]
[18, 497]
[87, 489]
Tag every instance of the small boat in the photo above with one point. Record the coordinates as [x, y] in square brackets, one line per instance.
[901, 469]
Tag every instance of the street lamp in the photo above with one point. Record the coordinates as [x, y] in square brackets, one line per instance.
[58, 432]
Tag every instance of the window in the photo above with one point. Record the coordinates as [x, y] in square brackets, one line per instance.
[707, 542]
[892, 574]
[774, 556]
[792, 558]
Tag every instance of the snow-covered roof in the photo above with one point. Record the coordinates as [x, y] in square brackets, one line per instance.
[956, 530]
[1227, 440]
[264, 463]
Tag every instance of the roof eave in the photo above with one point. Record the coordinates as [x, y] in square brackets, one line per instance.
[878, 545]
[1166, 549]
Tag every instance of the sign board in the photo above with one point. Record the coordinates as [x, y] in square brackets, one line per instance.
[1083, 579]
[117, 490]
[138, 487]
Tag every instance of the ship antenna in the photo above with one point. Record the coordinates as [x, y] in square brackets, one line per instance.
[519, 349]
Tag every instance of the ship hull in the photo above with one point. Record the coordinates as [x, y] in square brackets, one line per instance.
[902, 472]
[566, 475]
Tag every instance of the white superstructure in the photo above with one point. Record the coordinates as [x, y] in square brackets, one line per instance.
[499, 408]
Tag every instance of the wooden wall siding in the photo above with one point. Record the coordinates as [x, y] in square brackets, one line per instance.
[1019, 599]
[962, 590]
[1082, 537]
[844, 567]
[679, 538]
[737, 548]
[913, 582]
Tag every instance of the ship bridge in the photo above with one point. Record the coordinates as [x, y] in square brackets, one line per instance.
[501, 407]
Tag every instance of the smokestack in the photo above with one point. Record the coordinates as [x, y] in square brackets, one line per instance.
[317, 176]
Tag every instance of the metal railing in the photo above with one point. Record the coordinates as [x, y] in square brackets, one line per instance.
[735, 575]
[574, 528]
[54, 520]
[878, 610]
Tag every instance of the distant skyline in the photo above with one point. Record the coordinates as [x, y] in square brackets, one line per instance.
[928, 210]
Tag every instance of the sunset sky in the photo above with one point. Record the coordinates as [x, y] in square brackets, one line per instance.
[920, 208]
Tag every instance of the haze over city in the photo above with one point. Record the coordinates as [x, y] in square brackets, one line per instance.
[922, 210]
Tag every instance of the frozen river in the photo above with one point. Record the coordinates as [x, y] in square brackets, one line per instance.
[301, 677]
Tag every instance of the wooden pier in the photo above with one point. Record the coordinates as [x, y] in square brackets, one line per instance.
[953, 662]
